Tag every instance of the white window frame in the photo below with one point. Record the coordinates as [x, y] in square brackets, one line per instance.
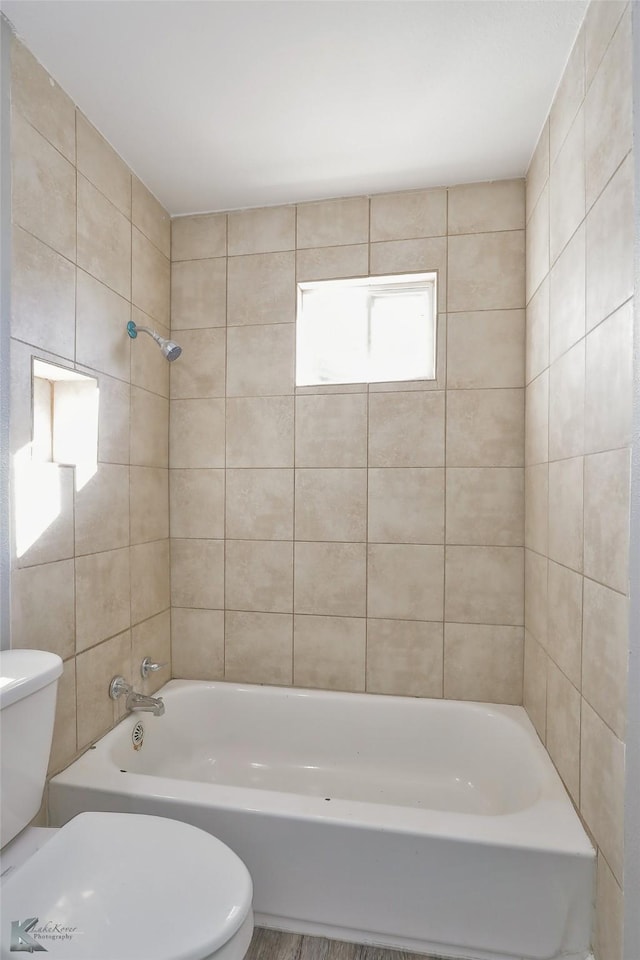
[372, 288]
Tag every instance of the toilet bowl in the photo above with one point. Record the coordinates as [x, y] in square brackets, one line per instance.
[106, 886]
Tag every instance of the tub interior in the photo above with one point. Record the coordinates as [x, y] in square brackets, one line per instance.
[470, 759]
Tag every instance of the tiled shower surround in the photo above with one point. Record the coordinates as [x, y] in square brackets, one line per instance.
[350, 537]
[579, 401]
[358, 538]
[90, 249]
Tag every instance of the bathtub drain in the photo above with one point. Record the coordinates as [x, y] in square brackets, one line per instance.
[137, 735]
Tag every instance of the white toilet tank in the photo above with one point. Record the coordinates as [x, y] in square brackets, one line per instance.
[28, 686]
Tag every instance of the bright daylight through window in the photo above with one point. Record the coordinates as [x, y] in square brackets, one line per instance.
[366, 330]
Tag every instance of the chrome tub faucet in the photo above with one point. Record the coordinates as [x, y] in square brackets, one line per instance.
[135, 700]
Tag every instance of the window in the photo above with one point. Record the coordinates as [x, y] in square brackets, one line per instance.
[366, 330]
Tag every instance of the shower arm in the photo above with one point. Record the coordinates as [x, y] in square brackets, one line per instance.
[133, 329]
[170, 349]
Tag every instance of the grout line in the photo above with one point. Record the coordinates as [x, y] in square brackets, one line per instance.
[224, 530]
[295, 469]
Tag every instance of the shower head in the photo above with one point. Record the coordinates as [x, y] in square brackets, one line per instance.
[170, 350]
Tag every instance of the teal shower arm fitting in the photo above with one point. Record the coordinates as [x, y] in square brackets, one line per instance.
[169, 348]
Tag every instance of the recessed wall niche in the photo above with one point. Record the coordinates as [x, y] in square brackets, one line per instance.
[64, 438]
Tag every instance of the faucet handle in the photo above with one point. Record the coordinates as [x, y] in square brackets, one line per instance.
[148, 666]
[118, 686]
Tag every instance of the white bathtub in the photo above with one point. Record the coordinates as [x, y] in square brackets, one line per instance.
[428, 825]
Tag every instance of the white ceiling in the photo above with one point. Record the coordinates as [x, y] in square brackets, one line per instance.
[235, 103]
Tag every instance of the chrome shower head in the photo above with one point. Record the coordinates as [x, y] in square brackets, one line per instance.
[169, 348]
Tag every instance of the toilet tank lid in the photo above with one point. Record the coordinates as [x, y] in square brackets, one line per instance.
[23, 672]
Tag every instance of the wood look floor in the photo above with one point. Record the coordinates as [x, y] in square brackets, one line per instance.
[274, 945]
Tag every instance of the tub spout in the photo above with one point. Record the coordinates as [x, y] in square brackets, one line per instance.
[138, 701]
[135, 701]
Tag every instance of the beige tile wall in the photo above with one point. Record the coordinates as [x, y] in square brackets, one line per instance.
[350, 537]
[578, 410]
[90, 251]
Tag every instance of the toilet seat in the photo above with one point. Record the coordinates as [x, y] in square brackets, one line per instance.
[114, 886]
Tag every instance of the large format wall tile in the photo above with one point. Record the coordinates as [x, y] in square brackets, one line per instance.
[151, 278]
[149, 503]
[266, 230]
[100, 164]
[102, 511]
[602, 786]
[331, 223]
[95, 669]
[606, 518]
[198, 238]
[409, 215]
[41, 101]
[406, 429]
[566, 194]
[259, 575]
[197, 574]
[485, 428]
[104, 239]
[406, 505]
[486, 271]
[405, 582]
[564, 623]
[563, 728]
[329, 652]
[102, 596]
[330, 263]
[42, 295]
[261, 289]
[150, 217]
[485, 505]
[260, 432]
[485, 349]
[260, 360]
[484, 585]
[483, 662]
[197, 503]
[43, 189]
[199, 373]
[198, 294]
[537, 333]
[404, 657]
[604, 653]
[609, 111]
[101, 320]
[198, 650]
[330, 579]
[268, 661]
[42, 613]
[569, 97]
[486, 207]
[150, 575]
[331, 504]
[610, 247]
[567, 297]
[331, 431]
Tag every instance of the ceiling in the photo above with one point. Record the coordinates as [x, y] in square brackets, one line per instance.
[220, 104]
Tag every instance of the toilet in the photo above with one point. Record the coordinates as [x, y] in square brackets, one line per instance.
[106, 886]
